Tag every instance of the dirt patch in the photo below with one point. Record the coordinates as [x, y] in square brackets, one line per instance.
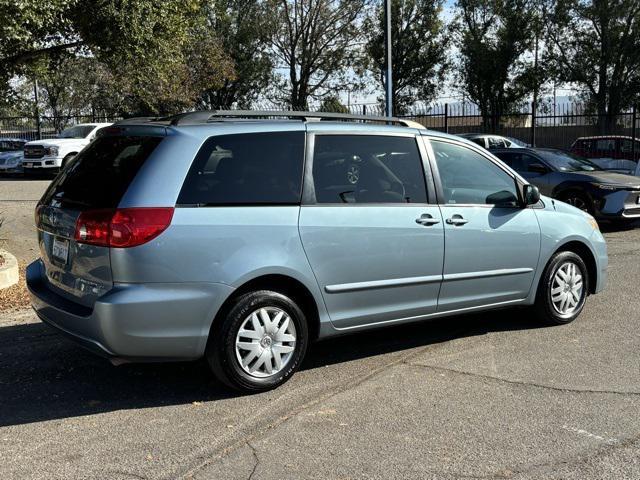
[16, 296]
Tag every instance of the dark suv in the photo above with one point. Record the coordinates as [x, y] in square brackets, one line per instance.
[612, 152]
[577, 181]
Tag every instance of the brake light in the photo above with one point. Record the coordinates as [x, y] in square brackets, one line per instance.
[122, 227]
[37, 215]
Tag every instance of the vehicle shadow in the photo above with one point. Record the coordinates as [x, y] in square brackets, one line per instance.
[613, 227]
[43, 376]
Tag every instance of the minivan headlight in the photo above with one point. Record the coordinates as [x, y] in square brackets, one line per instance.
[51, 151]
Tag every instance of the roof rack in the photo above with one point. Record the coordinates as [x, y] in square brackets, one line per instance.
[204, 116]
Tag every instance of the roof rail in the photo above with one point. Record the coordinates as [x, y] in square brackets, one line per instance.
[203, 116]
[134, 120]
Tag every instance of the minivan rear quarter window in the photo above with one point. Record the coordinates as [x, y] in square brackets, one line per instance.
[246, 169]
[99, 176]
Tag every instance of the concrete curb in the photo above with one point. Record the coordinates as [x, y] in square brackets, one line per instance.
[8, 270]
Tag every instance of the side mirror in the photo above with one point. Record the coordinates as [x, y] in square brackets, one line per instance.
[531, 194]
[537, 168]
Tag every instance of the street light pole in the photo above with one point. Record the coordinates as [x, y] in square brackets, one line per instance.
[388, 52]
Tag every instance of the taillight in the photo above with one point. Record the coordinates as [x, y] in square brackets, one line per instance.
[38, 211]
[123, 227]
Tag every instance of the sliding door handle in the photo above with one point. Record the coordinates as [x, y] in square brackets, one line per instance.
[427, 220]
[457, 220]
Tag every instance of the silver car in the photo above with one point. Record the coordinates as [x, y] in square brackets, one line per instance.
[243, 239]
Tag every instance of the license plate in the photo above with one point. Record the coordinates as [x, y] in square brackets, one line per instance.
[26, 164]
[60, 249]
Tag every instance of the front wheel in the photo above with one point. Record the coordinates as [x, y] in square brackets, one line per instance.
[579, 200]
[259, 343]
[563, 288]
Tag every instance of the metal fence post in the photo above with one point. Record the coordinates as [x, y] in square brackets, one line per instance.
[446, 118]
[633, 133]
[533, 123]
[37, 111]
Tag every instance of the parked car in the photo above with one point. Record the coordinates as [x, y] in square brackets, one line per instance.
[11, 155]
[52, 154]
[577, 181]
[243, 241]
[611, 152]
[490, 142]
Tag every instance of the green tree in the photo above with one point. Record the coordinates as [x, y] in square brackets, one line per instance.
[245, 29]
[594, 44]
[318, 43]
[161, 55]
[332, 104]
[495, 39]
[419, 48]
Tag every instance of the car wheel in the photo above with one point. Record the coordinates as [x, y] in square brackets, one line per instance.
[563, 289]
[579, 200]
[259, 343]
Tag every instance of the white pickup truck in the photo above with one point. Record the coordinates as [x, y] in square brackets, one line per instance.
[52, 154]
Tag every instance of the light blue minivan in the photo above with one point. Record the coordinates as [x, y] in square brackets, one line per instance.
[243, 236]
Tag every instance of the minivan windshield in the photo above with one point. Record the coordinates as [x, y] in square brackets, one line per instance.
[100, 175]
[567, 162]
[79, 131]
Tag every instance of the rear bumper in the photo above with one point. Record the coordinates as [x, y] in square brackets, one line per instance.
[134, 322]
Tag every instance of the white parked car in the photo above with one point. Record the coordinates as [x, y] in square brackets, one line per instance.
[53, 153]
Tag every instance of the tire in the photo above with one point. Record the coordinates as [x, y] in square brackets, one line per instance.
[264, 343]
[557, 313]
[578, 200]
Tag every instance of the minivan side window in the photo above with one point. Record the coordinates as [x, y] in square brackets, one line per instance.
[469, 178]
[246, 169]
[368, 169]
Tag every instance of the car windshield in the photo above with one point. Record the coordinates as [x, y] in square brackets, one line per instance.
[520, 143]
[567, 162]
[79, 131]
[10, 145]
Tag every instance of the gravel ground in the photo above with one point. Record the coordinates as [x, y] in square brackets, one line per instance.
[492, 395]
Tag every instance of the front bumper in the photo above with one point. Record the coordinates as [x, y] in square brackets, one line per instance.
[134, 322]
[602, 260]
[5, 169]
[621, 204]
[43, 163]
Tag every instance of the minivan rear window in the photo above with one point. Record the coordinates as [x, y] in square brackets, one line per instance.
[246, 169]
[100, 175]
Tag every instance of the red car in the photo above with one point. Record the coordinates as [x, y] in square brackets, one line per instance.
[610, 152]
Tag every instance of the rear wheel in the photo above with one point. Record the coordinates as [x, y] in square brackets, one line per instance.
[260, 343]
[563, 289]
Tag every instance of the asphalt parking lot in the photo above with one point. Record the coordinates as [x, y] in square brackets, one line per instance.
[494, 395]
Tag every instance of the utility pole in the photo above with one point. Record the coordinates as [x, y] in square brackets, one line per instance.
[388, 52]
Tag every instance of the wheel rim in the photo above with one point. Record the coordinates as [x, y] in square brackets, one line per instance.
[265, 342]
[578, 203]
[567, 289]
[353, 174]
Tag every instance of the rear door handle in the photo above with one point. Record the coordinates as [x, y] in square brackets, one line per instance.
[457, 220]
[427, 220]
